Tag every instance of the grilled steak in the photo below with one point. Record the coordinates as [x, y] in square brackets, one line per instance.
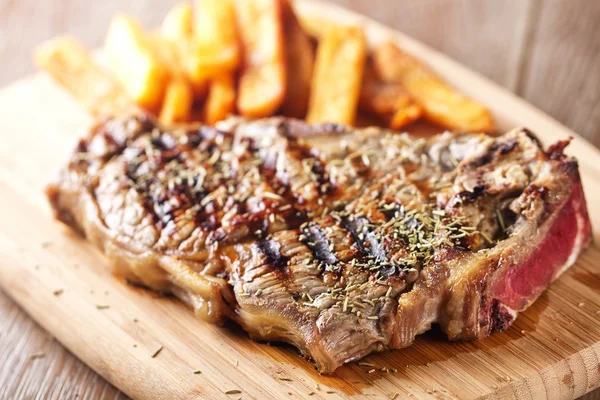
[341, 242]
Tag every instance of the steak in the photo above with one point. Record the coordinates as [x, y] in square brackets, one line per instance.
[342, 242]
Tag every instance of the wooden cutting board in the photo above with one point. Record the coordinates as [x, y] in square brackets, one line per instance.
[552, 350]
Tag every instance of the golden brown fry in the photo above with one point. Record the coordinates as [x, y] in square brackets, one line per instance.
[441, 103]
[221, 99]
[338, 75]
[168, 54]
[263, 79]
[176, 31]
[300, 59]
[179, 95]
[135, 63]
[316, 27]
[67, 61]
[406, 114]
[177, 24]
[174, 43]
[389, 101]
[214, 48]
[378, 97]
[177, 104]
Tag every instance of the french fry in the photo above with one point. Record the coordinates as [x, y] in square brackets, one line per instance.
[441, 104]
[179, 95]
[300, 59]
[221, 99]
[177, 104]
[263, 78]
[405, 114]
[389, 101]
[176, 32]
[378, 97]
[134, 62]
[178, 22]
[336, 83]
[69, 63]
[316, 27]
[215, 48]
[168, 55]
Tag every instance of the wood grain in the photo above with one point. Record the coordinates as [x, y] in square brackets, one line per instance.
[552, 350]
[521, 44]
[568, 36]
[56, 375]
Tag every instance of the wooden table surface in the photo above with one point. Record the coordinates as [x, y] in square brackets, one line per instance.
[547, 51]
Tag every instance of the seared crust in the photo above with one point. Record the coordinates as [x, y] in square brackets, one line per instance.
[341, 242]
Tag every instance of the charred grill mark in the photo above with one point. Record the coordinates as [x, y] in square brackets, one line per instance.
[533, 137]
[120, 134]
[364, 238]
[162, 141]
[497, 149]
[297, 129]
[330, 128]
[484, 159]
[470, 197]
[325, 184]
[157, 168]
[257, 223]
[204, 134]
[306, 167]
[117, 135]
[271, 249]
[312, 164]
[314, 238]
[285, 128]
[508, 146]
[216, 236]
[163, 173]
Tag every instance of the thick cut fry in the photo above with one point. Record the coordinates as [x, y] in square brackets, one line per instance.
[174, 44]
[135, 63]
[388, 101]
[215, 48]
[173, 40]
[221, 99]
[442, 104]
[177, 24]
[169, 55]
[177, 104]
[300, 59]
[405, 114]
[263, 79]
[67, 61]
[378, 97]
[316, 27]
[179, 95]
[338, 75]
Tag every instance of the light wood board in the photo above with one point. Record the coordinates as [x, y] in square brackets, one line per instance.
[552, 350]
